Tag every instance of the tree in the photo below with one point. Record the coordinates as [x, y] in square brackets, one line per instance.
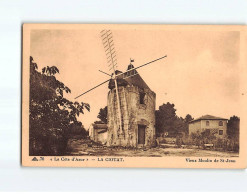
[233, 127]
[165, 119]
[187, 119]
[51, 115]
[180, 126]
[103, 115]
[77, 129]
[168, 121]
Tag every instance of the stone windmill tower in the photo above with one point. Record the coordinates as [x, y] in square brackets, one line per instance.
[137, 107]
[131, 103]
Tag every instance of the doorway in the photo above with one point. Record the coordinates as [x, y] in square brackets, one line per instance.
[141, 134]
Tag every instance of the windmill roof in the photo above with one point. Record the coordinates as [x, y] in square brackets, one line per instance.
[208, 117]
[137, 81]
[129, 78]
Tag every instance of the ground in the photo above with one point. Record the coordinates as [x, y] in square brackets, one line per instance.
[88, 148]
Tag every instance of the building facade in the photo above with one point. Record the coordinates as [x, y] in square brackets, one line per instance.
[216, 125]
[137, 107]
[98, 133]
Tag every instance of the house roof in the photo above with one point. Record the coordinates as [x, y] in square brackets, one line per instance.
[100, 126]
[208, 117]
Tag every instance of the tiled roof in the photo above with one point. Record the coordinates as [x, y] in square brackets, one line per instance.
[208, 117]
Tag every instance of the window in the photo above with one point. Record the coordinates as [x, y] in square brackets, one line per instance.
[220, 132]
[142, 96]
[220, 123]
[207, 123]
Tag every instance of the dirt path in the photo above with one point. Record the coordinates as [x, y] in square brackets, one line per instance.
[79, 148]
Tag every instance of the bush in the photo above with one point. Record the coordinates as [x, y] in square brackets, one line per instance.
[179, 141]
[187, 141]
[206, 137]
[48, 143]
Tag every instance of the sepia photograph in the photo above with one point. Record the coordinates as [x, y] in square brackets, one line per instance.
[109, 92]
[123, 96]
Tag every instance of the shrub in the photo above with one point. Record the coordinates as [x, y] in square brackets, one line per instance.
[206, 137]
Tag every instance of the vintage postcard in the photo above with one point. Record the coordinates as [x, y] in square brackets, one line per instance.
[130, 95]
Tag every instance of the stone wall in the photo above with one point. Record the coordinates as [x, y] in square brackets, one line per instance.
[194, 127]
[98, 133]
[132, 114]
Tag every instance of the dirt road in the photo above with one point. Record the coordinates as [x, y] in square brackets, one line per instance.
[79, 148]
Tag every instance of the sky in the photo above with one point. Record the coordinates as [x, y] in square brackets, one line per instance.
[200, 74]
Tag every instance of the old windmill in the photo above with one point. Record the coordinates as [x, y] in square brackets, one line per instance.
[131, 103]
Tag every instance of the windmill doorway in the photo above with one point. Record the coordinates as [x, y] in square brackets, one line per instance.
[141, 134]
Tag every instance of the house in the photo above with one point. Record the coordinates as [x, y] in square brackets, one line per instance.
[98, 133]
[137, 111]
[216, 125]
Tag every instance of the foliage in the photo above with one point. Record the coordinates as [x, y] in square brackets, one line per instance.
[199, 139]
[168, 121]
[233, 127]
[102, 115]
[78, 130]
[187, 119]
[179, 141]
[52, 117]
[165, 118]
